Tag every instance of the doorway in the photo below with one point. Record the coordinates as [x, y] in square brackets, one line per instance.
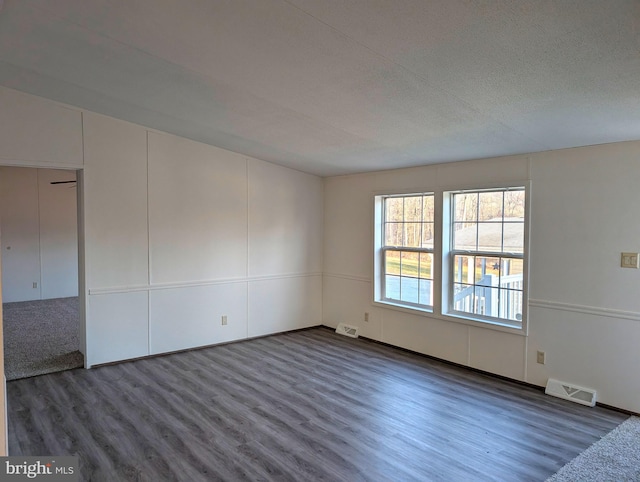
[42, 313]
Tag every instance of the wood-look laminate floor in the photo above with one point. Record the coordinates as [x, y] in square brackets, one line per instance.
[302, 406]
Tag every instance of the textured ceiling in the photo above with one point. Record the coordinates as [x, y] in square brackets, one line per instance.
[334, 86]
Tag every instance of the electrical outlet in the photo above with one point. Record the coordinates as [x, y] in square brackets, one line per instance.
[224, 319]
[35, 284]
[366, 316]
[541, 357]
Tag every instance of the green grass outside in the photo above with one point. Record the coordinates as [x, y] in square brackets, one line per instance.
[409, 267]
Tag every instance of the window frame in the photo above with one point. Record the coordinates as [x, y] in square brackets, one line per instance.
[442, 264]
[384, 248]
[449, 253]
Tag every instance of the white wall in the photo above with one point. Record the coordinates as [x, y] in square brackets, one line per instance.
[584, 309]
[176, 233]
[116, 239]
[176, 238]
[285, 226]
[20, 240]
[38, 132]
[58, 234]
[198, 232]
[40, 234]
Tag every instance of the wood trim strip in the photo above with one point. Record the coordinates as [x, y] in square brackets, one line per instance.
[350, 277]
[167, 286]
[590, 310]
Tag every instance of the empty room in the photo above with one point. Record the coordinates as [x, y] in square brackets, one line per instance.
[320, 240]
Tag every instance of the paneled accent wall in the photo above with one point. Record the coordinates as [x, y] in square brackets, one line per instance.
[183, 241]
[178, 234]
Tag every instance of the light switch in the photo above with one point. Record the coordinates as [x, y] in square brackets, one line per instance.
[629, 260]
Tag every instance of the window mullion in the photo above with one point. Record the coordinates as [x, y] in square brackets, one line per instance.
[407, 249]
[486, 254]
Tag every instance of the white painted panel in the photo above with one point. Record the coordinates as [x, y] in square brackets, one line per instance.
[115, 179]
[441, 339]
[189, 317]
[36, 131]
[285, 220]
[348, 229]
[58, 234]
[589, 350]
[197, 211]
[283, 304]
[584, 214]
[20, 234]
[346, 301]
[117, 327]
[497, 352]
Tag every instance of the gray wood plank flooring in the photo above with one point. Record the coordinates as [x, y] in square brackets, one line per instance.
[301, 406]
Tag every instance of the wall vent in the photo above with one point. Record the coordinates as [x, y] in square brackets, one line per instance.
[347, 330]
[568, 391]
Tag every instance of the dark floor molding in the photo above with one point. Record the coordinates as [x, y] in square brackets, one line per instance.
[482, 372]
[617, 409]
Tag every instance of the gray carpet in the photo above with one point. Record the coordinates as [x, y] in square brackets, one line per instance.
[40, 337]
[615, 457]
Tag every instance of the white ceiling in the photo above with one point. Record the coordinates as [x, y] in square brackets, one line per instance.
[339, 86]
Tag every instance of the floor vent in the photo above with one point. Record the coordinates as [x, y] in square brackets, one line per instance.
[347, 330]
[568, 391]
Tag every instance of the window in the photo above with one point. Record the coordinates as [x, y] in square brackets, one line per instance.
[486, 254]
[407, 250]
[460, 255]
